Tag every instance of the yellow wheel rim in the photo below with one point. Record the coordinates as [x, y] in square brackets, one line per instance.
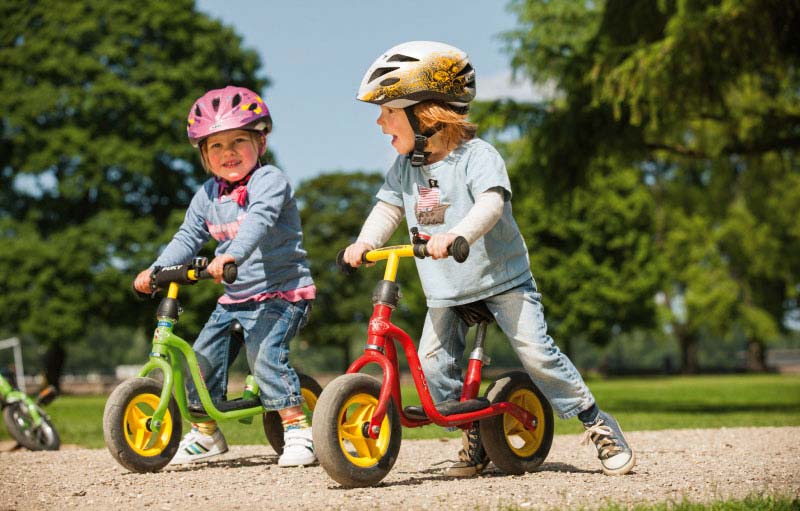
[137, 414]
[361, 451]
[522, 441]
[310, 403]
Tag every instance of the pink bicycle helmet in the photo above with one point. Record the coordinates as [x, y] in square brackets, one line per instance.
[227, 109]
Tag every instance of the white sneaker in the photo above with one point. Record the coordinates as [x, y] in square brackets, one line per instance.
[298, 448]
[197, 446]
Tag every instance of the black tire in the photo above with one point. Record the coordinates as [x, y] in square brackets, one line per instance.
[273, 427]
[512, 448]
[20, 426]
[350, 458]
[125, 418]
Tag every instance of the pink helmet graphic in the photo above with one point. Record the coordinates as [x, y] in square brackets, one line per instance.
[227, 109]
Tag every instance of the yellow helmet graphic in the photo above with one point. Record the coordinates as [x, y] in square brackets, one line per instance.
[418, 71]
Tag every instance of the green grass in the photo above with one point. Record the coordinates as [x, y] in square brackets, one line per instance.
[751, 503]
[638, 403]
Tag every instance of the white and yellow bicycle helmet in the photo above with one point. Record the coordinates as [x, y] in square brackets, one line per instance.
[418, 71]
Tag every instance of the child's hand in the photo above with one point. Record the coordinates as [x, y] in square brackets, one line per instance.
[142, 282]
[353, 253]
[216, 266]
[439, 243]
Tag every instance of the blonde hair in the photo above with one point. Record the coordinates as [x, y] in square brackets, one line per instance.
[453, 127]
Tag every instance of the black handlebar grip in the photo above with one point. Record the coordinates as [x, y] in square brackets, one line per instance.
[229, 272]
[459, 249]
[342, 265]
[178, 273]
[140, 296]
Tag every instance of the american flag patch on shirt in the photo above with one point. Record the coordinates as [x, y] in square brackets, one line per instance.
[428, 198]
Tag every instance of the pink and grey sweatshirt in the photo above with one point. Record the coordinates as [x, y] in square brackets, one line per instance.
[264, 236]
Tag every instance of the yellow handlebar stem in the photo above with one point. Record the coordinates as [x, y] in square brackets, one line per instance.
[172, 292]
[392, 256]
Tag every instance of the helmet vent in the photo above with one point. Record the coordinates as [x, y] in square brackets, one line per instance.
[197, 111]
[252, 106]
[389, 81]
[398, 57]
[236, 100]
[380, 72]
[465, 70]
[215, 104]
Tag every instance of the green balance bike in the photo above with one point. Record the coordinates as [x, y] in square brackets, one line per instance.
[26, 421]
[142, 418]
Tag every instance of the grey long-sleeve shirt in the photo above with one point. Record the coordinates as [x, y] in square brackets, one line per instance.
[264, 236]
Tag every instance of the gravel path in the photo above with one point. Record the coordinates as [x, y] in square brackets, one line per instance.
[673, 465]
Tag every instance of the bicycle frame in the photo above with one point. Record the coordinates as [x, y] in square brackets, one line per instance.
[380, 349]
[167, 354]
[8, 396]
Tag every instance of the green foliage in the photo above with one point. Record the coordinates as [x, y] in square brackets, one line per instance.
[754, 502]
[333, 208]
[700, 99]
[638, 404]
[95, 168]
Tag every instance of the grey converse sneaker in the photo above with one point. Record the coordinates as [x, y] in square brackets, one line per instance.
[472, 457]
[196, 446]
[615, 455]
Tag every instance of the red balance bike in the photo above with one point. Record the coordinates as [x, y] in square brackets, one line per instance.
[358, 418]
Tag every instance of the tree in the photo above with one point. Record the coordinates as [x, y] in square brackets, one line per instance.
[714, 86]
[701, 98]
[333, 208]
[95, 169]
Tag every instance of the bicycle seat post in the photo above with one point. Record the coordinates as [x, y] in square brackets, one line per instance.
[477, 359]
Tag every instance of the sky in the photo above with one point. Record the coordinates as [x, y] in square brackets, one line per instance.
[315, 54]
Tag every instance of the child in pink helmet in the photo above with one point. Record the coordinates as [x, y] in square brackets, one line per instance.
[250, 210]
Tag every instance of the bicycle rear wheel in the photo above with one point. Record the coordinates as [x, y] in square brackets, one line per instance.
[21, 427]
[273, 427]
[513, 448]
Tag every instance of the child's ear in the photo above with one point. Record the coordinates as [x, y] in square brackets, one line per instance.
[262, 143]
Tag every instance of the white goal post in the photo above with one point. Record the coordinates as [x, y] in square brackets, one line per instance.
[14, 343]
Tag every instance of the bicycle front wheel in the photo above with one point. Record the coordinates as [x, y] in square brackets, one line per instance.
[344, 449]
[126, 421]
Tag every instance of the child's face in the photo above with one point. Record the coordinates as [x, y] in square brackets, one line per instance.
[393, 121]
[232, 154]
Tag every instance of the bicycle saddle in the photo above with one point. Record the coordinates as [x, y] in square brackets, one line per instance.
[237, 330]
[474, 313]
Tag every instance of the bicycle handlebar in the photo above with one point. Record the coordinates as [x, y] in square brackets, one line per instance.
[185, 274]
[458, 250]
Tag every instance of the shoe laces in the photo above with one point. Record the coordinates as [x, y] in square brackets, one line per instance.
[603, 438]
[472, 452]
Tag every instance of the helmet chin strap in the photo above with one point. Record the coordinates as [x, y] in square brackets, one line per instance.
[418, 155]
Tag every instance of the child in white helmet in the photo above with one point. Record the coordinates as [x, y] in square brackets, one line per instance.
[450, 183]
[250, 210]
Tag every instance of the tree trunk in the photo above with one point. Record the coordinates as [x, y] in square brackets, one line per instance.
[756, 357]
[688, 344]
[345, 356]
[53, 365]
[569, 349]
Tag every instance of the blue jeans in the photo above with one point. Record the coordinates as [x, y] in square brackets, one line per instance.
[520, 315]
[268, 328]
